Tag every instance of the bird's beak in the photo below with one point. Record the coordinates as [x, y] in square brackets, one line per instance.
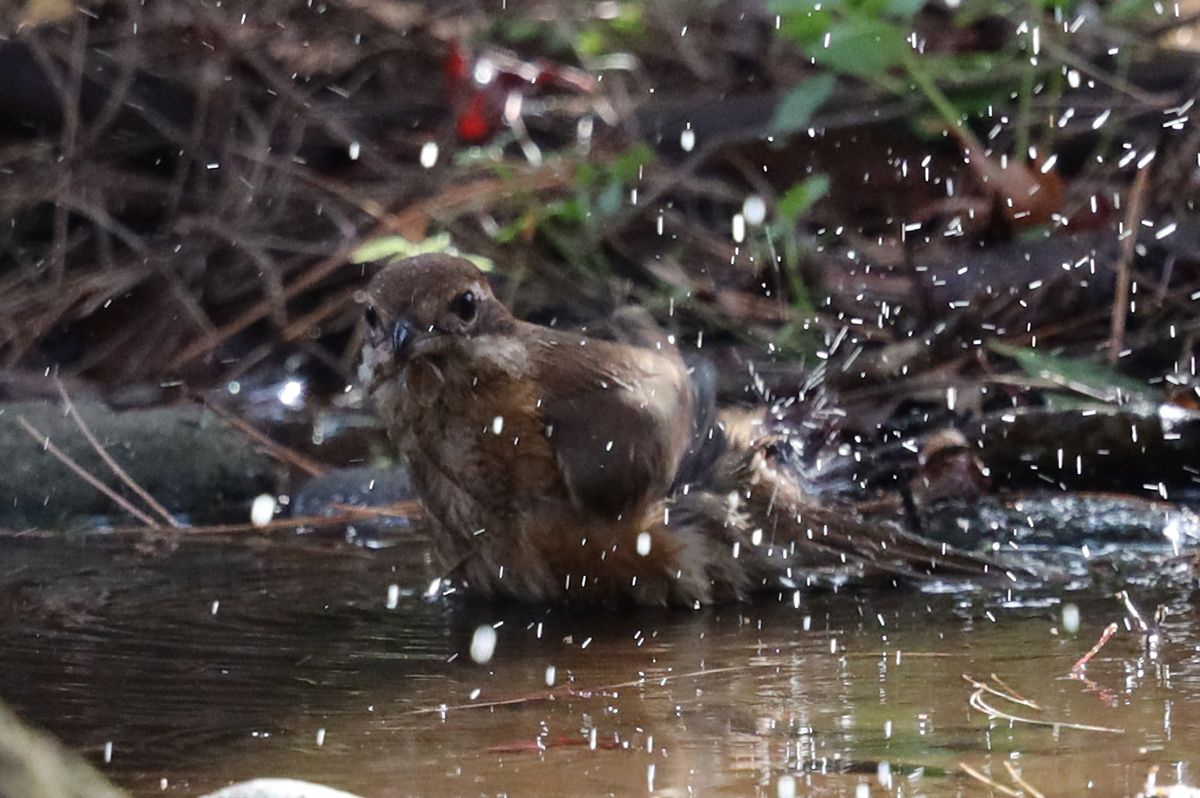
[402, 336]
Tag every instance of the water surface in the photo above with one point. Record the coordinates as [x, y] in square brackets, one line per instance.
[210, 662]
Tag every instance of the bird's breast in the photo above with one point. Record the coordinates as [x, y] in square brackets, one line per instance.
[472, 431]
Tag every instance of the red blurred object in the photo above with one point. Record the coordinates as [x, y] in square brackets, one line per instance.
[481, 87]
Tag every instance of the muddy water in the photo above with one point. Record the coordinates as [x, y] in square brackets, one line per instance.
[210, 663]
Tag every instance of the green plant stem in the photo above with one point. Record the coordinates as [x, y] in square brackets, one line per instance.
[1025, 112]
[929, 88]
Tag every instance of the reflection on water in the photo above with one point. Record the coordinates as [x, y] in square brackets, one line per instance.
[216, 662]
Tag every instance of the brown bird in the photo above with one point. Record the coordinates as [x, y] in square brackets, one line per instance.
[550, 464]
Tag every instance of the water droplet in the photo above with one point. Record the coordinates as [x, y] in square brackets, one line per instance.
[291, 393]
[754, 209]
[1070, 618]
[483, 644]
[262, 510]
[429, 154]
[485, 71]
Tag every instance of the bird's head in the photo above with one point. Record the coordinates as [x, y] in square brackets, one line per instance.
[424, 306]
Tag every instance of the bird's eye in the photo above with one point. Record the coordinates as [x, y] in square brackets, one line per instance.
[372, 317]
[464, 305]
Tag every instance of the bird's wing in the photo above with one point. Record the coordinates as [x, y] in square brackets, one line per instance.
[819, 533]
[618, 418]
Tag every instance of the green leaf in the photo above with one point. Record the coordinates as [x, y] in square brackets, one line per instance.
[905, 9]
[627, 167]
[868, 9]
[806, 29]
[393, 248]
[864, 47]
[1081, 376]
[788, 7]
[797, 107]
[569, 210]
[802, 196]
[629, 20]
[586, 175]
[590, 42]
[396, 247]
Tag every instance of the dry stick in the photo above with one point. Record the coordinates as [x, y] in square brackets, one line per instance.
[976, 702]
[1079, 666]
[1020, 782]
[473, 196]
[1149, 101]
[995, 785]
[112, 464]
[65, 459]
[338, 303]
[572, 690]
[1014, 696]
[459, 199]
[405, 509]
[268, 269]
[262, 308]
[270, 447]
[1133, 223]
[1132, 609]
[981, 688]
[400, 509]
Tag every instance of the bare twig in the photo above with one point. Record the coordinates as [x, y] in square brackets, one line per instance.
[995, 785]
[977, 702]
[269, 447]
[347, 515]
[1020, 782]
[1015, 697]
[263, 307]
[1081, 665]
[403, 509]
[112, 464]
[66, 460]
[1133, 611]
[1133, 223]
[987, 781]
[585, 692]
[340, 302]
[1007, 696]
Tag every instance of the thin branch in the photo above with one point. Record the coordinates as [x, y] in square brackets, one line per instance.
[1081, 665]
[66, 460]
[988, 782]
[1014, 696]
[346, 514]
[263, 307]
[982, 688]
[1133, 223]
[976, 702]
[1020, 782]
[112, 464]
[586, 692]
[270, 447]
